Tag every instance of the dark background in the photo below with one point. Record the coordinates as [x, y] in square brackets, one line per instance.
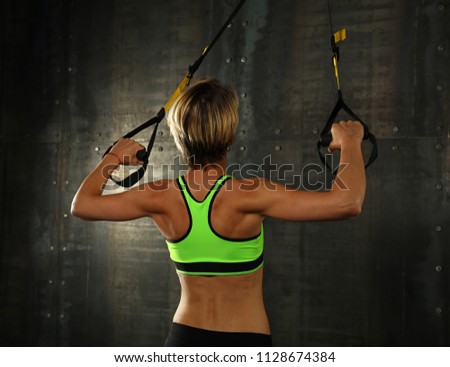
[77, 74]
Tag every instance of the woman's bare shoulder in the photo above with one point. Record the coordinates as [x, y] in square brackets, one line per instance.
[162, 185]
[253, 184]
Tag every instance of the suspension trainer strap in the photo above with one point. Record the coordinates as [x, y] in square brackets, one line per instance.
[143, 155]
[325, 135]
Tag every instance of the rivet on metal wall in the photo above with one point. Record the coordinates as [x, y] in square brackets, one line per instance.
[438, 310]
[315, 131]
[245, 23]
[243, 59]
[243, 95]
[57, 101]
[242, 148]
[230, 25]
[63, 283]
[395, 129]
[69, 69]
[160, 149]
[228, 60]
[438, 146]
[62, 316]
[66, 215]
[97, 149]
[441, 7]
[438, 228]
[50, 282]
[49, 316]
[277, 131]
[277, 148]
[395, 147]
[440, 48]
[439, 88]
[66, 183]
[54, 183]
[64, 249]
[439, 187]
[438, 268]
[55, 150]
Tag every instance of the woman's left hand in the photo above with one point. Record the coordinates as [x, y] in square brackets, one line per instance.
[125, 150]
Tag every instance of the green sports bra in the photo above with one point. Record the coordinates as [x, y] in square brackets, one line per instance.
[202, 251]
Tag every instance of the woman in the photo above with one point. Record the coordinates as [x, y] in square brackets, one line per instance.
[213, 222]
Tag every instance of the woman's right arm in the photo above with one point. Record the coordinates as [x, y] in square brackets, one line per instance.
[90, 203]
[344, 200]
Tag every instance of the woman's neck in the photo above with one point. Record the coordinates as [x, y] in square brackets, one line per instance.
[206, 175]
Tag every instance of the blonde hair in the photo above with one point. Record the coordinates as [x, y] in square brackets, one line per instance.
[203, 121]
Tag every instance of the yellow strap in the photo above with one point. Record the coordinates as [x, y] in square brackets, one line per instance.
[184, 83]
[178, 91]
[336, 71]
[340, 35]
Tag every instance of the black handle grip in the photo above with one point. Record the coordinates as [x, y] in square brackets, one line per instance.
[141, 154]
[325, 140]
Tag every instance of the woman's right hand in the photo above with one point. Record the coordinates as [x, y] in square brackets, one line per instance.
[345, 132]
[125, 150]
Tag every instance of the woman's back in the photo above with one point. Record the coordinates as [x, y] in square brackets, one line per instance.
[225, 303]
[231, 216]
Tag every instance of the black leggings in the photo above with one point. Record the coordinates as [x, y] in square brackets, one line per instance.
[187, 336]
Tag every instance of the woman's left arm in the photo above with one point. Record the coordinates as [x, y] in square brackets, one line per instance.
[89, 202]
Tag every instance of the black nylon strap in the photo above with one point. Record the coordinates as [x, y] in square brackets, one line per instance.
[326, 138]
[142, 155]
[325, 135]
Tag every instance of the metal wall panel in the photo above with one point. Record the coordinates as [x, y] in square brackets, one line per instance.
[77, 74]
